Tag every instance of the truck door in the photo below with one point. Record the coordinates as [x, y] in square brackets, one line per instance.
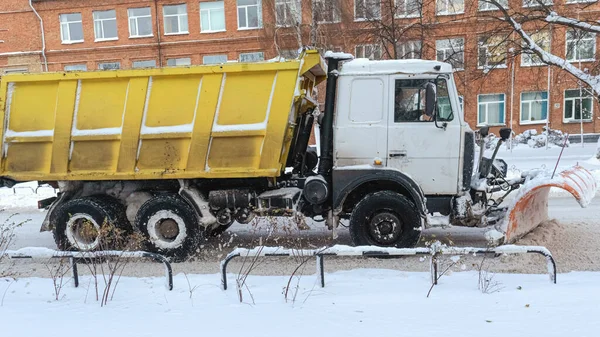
[428, 154]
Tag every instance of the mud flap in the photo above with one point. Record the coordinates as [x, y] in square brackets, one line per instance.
[529, 209]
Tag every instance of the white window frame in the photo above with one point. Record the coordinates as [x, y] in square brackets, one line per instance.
[187, 61]
[133, 64]
[65, 25]
[405, 9]
[101, 63]
[336, 13]
[530, 103]
[15, 71]
[569, 2]
[368, 3]
[415, 46]
[450, 49]
[580, 98]
[534, 3]
[576, 52]
[258, 6]
[135, 18]
[210, 19]
[179, 16]
[293, 5]
[487, 47]
[214, 55]
[480, 123]
[75, 67]
[257, 53]
[363, 48]
[485, 6]
[101, 27]
[448, 12]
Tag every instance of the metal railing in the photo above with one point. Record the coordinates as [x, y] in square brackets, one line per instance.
[75, 257]
[373, 251]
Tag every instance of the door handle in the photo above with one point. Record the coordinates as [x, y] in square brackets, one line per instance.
[397, 154]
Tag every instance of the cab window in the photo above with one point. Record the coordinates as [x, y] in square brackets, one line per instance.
[409, 101]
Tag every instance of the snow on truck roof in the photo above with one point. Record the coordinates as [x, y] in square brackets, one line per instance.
[412, 66]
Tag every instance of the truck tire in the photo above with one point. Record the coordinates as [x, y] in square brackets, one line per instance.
[170, 225]
[385, 219]
[77, 224]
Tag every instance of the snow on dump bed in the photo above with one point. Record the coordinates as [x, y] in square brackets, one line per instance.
[338, 55]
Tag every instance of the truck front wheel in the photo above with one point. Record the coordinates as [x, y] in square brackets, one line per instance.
[170, 225]
[386, 219]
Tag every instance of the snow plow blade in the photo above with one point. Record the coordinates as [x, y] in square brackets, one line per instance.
[529, 209]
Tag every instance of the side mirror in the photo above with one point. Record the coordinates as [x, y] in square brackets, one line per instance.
[484, 131]
[430, 98]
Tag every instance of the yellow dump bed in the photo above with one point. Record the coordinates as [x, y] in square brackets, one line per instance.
[221, 121]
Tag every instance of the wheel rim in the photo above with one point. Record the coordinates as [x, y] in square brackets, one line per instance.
[385, 228]
[166, 230]
[83, 232]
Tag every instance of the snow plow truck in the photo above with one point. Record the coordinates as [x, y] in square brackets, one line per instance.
[180, 154]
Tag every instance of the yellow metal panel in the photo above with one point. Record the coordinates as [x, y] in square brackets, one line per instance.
[27, 158]
[281, 106]
[236, 154]
[32, 106]
[101, 103]
[94, 156]
[207, 105]
[172, 100]
[165, 155]
[65, 107]
[132, 122]
[245, 98]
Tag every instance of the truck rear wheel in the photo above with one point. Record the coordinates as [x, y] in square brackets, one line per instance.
[170, 225]
[80, 224]
[386, 219]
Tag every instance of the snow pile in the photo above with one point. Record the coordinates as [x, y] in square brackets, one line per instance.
[535, 140]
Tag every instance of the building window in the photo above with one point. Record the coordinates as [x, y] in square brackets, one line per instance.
[578, 105]
[105, 25]
[580, 1]
[144, 64]
[249, 14]
[486, 5]
[212, 16]
[140, 22]
[182, 61]
[491, 52]
[490, 109]
[368, 51]
[176, 20]
[75, 67]
[367, 9]
[71, 28]
[581, 45]
[528, 57]
[252, 57]
[534, 107]
[109, 66]
[327, 11]
[408, 8]
[450, 7]
[535, 3]
[288, 13]
[451, 51]
[214, 59]
[409, 50]
[15, 71]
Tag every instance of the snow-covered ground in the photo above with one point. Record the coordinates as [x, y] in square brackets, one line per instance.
[389, 301]
[353, 303]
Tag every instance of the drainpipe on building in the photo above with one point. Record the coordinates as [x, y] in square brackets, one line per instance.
[43, 36]
[160, 61]
[549, 112]
[512, 98]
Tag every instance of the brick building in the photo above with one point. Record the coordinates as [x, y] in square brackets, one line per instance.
[497, 89]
